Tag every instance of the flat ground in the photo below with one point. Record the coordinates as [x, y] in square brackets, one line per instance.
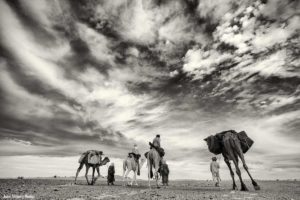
[65, 189]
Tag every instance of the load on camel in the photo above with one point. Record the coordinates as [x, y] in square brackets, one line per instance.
[232, 145]
[91, 158]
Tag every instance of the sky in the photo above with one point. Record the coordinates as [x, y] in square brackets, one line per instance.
[96, 74]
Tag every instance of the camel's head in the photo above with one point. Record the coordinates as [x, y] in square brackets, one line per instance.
[105, 161]
[207, 140]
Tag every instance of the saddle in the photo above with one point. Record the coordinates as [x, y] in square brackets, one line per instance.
[135, 156]
[215, 142]
[94, 157]
[246, 142]
[160, 150]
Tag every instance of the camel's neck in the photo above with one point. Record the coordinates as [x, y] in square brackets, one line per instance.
[103, 162]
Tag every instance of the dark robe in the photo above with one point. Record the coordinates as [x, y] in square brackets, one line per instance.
[164, 171]
[111, 174]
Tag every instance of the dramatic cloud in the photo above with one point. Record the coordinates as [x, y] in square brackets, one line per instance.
[79, 75]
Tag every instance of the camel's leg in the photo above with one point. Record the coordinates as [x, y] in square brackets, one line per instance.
[124, 170]
[78, 170]
[231, 173]
[230, 147]
[241, 155]
[98, 171]
[126, 175]
[93, 175]
[86, 173]
[135, 173]
[149, 169]
[133, 178]
[238, 172]
[156, 163]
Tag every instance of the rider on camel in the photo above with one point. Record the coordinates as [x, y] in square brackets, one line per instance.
[136, 155]
[156, 145]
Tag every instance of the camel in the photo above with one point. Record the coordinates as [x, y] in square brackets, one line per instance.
[84, 161]
[231, 149]
[129, 164]
[153, 161]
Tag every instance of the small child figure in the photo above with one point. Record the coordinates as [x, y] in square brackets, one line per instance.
[214, 168]
[111, 174]
[164, 171]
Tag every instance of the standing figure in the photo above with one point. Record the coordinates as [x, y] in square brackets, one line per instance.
[111, 174]
[164, 171]
[214, 169]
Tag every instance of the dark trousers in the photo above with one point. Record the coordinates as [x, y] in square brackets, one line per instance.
[165, 179]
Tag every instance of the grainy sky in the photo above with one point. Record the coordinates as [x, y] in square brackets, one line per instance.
[79, 75]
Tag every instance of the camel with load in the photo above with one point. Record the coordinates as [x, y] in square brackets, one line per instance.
[232, 146]
[85, 160]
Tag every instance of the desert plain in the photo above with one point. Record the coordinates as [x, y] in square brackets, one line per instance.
[64, 188]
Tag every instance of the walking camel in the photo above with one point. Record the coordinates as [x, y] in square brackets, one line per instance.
[84, 161]
[229, 144]
[129, 164]
[153, 161]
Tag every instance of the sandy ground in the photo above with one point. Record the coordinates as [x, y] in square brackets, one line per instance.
[65, 189]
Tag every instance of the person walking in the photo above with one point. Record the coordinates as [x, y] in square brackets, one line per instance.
[164, 171]
[214, 169]
[111, 174]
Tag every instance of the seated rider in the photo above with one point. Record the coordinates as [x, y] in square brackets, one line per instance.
[136, 155]
[156, 144]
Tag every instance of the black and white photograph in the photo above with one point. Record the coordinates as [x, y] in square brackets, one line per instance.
[150, 99]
